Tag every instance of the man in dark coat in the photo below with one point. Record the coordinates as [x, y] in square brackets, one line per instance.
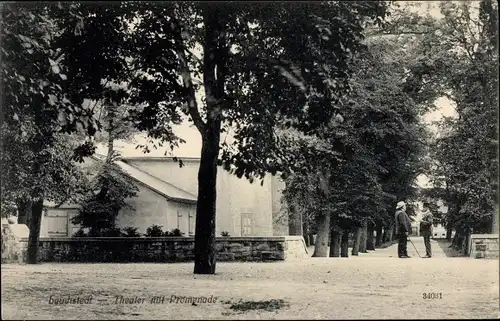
[403, 227]
[426, 229]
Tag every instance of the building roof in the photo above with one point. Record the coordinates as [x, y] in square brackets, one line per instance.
[166, 189]
[63, 206]
[159, 159]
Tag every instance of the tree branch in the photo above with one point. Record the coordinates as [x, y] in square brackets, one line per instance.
[187, 80]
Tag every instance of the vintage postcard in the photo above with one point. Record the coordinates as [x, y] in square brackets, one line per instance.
[249, 160]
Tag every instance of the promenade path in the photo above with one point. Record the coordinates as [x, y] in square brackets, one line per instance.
[374, 285]
[392, 251]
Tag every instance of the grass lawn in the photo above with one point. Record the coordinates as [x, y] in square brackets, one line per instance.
[318, 288]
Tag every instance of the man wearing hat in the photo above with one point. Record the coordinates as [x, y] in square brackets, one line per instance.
[426, 228]
[403, 227]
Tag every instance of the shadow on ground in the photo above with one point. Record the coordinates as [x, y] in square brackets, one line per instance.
[445, 245]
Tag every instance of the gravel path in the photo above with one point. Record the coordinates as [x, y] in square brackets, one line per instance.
[371, 286]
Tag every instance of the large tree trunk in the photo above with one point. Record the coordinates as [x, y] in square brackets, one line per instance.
[335, 243]
[378, 239]
[454, 241]
[449, 231]
[390, 232]
[295, 221]
[34, 236]
[305, 232]
[311, 239]
[24, 211]
[385, 235]
[370, 244]
[344, 245]
[496, 220]
[204, 247]
[362, 239]
[306, 239]
[466, 245]
[111, 140]
[215, 55]
[357, 239]
[321, 246]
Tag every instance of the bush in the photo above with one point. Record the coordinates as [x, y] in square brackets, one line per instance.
[80, 233]
[155, 231]
[174, 232]
[225, 233]
[130, 232]
[106, 232]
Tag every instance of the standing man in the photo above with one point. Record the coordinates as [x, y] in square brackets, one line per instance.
[403, 227]
[426, 229]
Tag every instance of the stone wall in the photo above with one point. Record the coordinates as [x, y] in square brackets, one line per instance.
[484, 246]
[14, 242]
[168, 249]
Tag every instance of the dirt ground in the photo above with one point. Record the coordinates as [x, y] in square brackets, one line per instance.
[376, 285]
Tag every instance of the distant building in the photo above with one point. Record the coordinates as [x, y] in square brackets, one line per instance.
[167, 197]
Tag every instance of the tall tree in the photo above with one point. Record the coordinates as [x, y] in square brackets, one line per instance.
[257, 75]
[380, 144]
[466, 151]
[36, 107]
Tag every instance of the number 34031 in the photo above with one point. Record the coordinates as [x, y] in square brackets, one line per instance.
[432, 295]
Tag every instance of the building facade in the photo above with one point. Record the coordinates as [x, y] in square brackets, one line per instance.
[167, 197]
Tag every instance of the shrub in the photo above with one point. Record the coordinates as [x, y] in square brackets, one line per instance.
[130, 232]
[80, 233]
[225, 233]
[105, 232]
[155, 231]
[99, 210]
[175, 232]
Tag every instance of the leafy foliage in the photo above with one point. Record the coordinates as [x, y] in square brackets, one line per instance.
[34, 102]
[379, 142]
[258, 75]
[130, 232]
[79, 233]
[466, 166]
[174, 232]
[155, 231]
[108, 196]
[38, 114]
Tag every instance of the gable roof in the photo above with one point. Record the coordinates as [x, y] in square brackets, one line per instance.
[168, 190]
[159, 159]
[165, 189]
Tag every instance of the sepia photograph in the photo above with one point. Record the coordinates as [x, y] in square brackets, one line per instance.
[260, 160]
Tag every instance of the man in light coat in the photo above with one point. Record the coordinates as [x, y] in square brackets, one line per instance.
[403, 228]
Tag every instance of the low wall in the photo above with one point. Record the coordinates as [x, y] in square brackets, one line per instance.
[484, 246]
[14, 242]
[167, 249]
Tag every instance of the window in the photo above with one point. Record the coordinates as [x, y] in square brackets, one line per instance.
[57, 223]
[191, 223]
[246, 224]
[179, 217]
